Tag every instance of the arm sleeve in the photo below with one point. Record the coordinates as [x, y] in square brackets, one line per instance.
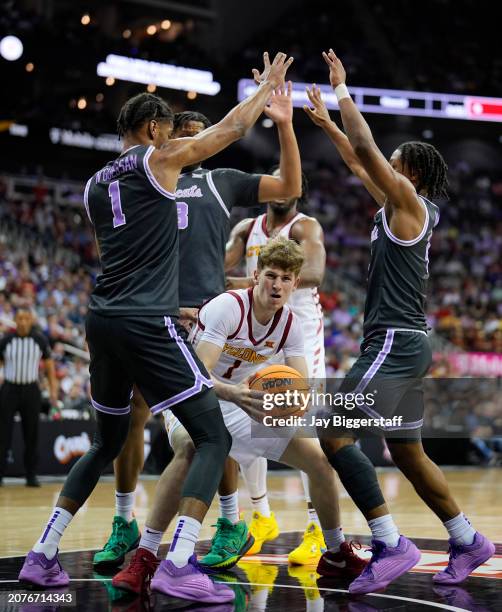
[220, 318]
[294, 345]
[237, 188]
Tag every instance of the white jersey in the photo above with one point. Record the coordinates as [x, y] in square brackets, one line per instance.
[229, 322]
[304, 302]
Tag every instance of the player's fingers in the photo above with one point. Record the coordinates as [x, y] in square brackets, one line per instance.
[289, 62]
[266, 59]
[279, 58]
[327, 59]
[256, 73]
[290, 89]
[310, 112]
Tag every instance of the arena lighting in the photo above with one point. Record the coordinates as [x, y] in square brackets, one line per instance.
[11, 48]
[156, 73]
[18, 129]
[399, 102]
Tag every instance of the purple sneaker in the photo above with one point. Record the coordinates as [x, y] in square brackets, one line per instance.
[189, 582]
[37, 569]
[464, 558]
[386, 564]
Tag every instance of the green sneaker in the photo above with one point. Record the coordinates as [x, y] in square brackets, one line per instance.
[230, 542]
[124, 537]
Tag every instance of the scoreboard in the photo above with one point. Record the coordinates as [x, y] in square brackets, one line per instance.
[399, 102]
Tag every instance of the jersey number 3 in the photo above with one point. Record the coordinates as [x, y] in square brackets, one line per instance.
[114, 193]
[182, 208]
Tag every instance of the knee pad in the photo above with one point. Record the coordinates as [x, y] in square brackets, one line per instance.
[358, 476]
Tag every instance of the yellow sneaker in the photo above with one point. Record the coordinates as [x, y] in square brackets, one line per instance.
[311, 547]
[262, 528]
[307, 577]
[259, 575]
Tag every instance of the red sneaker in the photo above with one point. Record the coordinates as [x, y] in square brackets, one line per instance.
[136, 576]
[342, 563]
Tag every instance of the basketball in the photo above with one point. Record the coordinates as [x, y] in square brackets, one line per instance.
[277, 380]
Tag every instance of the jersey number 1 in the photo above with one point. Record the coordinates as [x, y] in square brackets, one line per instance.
[114, 193]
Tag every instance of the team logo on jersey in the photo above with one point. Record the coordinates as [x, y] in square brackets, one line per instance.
[374, 234]
[191, 192]
[244, 354]
[269, 343]
[253, 251]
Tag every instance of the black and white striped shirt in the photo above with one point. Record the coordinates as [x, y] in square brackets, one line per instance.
[21, 356]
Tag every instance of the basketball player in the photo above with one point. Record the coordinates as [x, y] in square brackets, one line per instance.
[246, 239]
[237, 333]
[395, 345]
[131, 325]
[204, 200]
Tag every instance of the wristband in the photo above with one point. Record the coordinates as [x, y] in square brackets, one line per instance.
[341, 92]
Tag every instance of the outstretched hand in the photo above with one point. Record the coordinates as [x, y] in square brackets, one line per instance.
[337, 73]
[280, 106]
[274, 72]
[319, 114]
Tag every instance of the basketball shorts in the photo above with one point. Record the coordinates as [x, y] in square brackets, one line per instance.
[150, 352]
[388, 378]
[245, 448]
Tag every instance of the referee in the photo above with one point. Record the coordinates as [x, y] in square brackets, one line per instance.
[21, 352]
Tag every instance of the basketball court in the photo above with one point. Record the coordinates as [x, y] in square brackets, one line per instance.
[264, 582]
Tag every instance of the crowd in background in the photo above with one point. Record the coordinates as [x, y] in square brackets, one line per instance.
[48, 262]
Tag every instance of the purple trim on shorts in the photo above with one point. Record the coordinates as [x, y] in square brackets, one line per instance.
[200, 379]
[152, 178]
[176, 535]
[108, 410]
[176, 399]
[372, 370]
[49, 525]
[171, 328]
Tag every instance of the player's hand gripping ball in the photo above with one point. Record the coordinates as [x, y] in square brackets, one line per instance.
[286, 390]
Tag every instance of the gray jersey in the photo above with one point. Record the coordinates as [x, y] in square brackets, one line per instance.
[397, 277]
[204, 200]
[135, 223]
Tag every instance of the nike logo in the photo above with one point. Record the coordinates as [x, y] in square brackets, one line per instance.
[340, 564]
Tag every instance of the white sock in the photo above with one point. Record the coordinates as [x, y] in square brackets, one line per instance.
[460, 529]
[124, 505]
[151, 539]
[384, 529]
[49, 540]
[312, 516]
[255, 477]
[333, 538]
[261, 505]
[306, 487]
[185, 536]
[229, 506]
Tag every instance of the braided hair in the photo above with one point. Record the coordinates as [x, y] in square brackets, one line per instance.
[185, 116]
[140, 109]
[424, 160]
